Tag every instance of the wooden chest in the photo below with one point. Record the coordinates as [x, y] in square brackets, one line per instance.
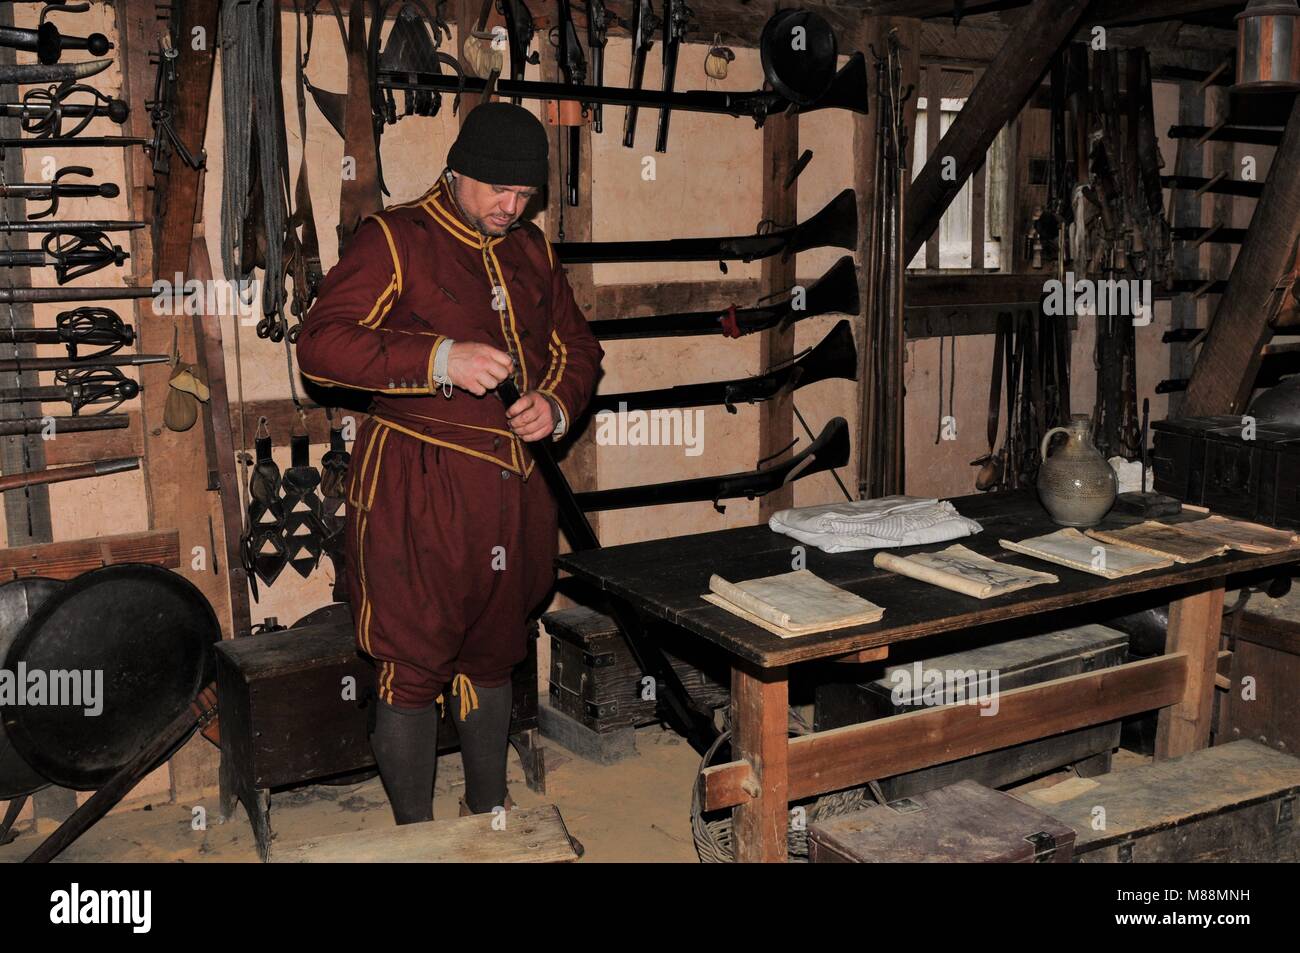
[1231, 803]
[595, 680]
[962, 823]
[1208, 462]
[295, 706]
[1022, 661]
[1262, 702]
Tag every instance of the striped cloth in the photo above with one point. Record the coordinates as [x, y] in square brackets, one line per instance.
[885, 523]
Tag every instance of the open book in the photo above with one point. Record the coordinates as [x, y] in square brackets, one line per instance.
[1069, 547]
[793, 603]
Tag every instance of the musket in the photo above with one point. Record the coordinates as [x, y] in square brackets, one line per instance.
[55, 189]
[42, 111]
[835, 357]
[835, 225]
[70, 254]
[80, 327]
[70, 225]
[56, 73]
[597, 34]
[18, 365]
[828, 452]
[519, 34]
[834, 292]
[80, 142]
[33, 425]
[676, 16]
[847, 91]
[574, 67]
[79, 388]
[13, 481]
[48, 43]
[673, 703]
[643, 27]
[60, 295]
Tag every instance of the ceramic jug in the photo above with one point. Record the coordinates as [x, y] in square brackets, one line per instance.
[1076, 484]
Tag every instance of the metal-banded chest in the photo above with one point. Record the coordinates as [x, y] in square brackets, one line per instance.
[1232, 464]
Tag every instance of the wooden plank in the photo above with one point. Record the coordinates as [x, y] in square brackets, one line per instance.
[1189, 160]
[27, 513]
[95, 445]
[1011, 78]
[933, 119]
[961, 288]
[675, 297]
[66, 560]
[1194, 624]
[579, 462]
[1225, 371]
[531, 835]
[870, 32]
[759, 706]
[977, 201]
[780, 205]
[844, 757]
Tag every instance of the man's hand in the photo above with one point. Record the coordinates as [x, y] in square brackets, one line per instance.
[531, 417]
[477, 368]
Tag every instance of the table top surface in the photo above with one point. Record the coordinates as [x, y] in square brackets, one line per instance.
[666, 578]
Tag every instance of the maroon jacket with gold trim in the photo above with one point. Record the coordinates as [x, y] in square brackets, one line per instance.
[415, 274]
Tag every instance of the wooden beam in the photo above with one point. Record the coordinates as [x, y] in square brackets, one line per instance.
[780, 205]
[1225, 371]
[674, 297]
[760, 702]
[845, 757]
[1012, 76]
[67, 560]
[1195, 621]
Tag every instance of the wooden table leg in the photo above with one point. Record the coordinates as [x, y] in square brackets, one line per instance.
[1195, 623]
[760, 702]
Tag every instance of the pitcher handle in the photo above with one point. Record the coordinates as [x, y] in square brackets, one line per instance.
[1047, 438]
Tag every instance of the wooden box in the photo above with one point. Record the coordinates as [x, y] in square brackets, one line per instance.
[595, 680]
[295, 706]
[1266, 650]
[1207, 462]
[962, 823]
[1023, 661]
[1231, 803]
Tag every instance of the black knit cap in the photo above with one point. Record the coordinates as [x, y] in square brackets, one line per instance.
[501, 144]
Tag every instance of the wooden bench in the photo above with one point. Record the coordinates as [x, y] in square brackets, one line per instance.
[527, 835]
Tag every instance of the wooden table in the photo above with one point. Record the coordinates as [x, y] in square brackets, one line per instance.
[664, 579]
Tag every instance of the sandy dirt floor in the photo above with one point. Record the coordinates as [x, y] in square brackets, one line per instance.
[635, 810]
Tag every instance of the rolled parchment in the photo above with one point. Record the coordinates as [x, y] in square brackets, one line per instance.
[959, 569]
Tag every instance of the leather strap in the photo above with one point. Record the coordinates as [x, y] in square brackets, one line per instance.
[359, 193]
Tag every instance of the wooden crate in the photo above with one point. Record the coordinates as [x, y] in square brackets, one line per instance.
[962, 823]
[1023, 661]
[595, 680]
[1231, 803]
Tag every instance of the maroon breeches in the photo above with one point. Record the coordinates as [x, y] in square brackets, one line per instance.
[447, 555]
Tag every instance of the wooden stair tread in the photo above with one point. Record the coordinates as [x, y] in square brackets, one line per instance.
[531, 835]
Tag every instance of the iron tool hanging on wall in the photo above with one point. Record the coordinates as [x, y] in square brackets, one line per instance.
[80, 388]
[22, 75]
[675, 22]
[80, 327]
[71, 254]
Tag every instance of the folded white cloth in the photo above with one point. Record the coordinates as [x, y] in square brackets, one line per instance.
[874, 524]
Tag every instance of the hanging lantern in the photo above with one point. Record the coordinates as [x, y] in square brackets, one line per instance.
[1268, 47]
